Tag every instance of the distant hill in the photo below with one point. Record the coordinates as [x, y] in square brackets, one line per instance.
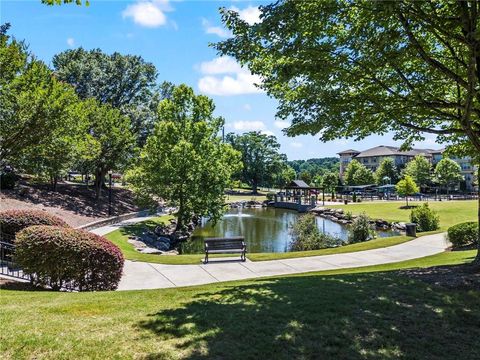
[316, 166]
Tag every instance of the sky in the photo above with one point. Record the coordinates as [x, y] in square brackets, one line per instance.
[175, 37]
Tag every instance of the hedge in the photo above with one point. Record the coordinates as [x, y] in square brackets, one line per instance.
[463, 234]
[13, 221]
[58, 256]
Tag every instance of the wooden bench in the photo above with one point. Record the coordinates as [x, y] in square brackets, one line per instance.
[230, 245]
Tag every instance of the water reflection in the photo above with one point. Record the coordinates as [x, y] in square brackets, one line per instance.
[265, 229]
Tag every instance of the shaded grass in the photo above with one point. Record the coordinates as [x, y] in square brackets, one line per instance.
[367, 313]
[450, 212]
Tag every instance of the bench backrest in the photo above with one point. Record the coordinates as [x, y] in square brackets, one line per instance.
[236, 242]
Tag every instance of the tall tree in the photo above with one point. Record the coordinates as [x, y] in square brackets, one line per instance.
[260, 157]
[284, 176]
[363, 176]
[33, 103]
[448, 173]
[126, 82]
[108, 141]
[409, 67]
[406, 187]
[330, 182]
[184, 161]
[386, 169]
[349, 174]
[420, 169]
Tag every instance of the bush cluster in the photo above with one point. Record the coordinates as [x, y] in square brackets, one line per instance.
[463, 234]
[58, 256]
[425, 218]
[361, 230]
[8, 180]
[12, 221]
[307, 236]
[271, 196]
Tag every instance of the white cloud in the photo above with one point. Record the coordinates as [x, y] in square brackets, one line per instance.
[250, 14]
[281, 124]
[296, 144]
[148, 13]
[216, 30]
[238, 81]
[220, 65]
[247, 107]
[249, 125]
[71, 42]
[245, 126]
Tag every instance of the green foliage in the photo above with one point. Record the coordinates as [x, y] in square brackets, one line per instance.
[448, 173]
[271, 196]
[361, 230]
[35, 106]
[305, 176]
[184, 161]
[425, 218]
[420, 170]
[363, 176]
[386, 169]
[58, 256]
[307, 236]
[126, 82]
[379, 66]
[13, 221]
[315, 167]
[260, 158]
[330, 182]
[406, 187]
[357, 174]
[284, 176]
[463, 234]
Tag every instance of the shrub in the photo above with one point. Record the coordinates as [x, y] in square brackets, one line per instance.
[58, 256]
[306, 235]
[271, 196]
[12, 221]
[425, 218]
[463, 234]
[361, 230]
[7, 180]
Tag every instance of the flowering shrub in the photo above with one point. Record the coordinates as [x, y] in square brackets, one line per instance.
[12, 221]
[59, 256]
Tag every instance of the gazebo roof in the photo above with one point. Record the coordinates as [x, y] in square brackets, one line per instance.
[298, 184]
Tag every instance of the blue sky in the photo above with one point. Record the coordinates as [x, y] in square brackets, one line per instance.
[174, 36]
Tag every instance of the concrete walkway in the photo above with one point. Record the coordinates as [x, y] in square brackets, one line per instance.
[142, 275]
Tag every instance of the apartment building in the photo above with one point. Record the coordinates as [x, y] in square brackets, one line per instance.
[372, 158]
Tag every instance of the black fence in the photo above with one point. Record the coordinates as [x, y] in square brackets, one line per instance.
[8, 266]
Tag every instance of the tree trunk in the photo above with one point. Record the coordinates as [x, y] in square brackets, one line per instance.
[99, 180]
[255, 187]
[477, 258]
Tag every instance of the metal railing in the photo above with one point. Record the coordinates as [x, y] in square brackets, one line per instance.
[8, 266]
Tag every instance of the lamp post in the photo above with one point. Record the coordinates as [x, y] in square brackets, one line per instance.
[110, 193]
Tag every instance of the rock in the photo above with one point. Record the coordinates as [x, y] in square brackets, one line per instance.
[164, 239]
[171, 252]
[149, 250]
[137, 243]
[162, 246]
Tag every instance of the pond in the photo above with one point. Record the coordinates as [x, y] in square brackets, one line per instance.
[264, 229]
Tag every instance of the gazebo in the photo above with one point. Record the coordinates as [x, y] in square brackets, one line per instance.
[299, 191]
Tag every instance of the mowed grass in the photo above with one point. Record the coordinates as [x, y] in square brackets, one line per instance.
[450, 212]
[365, 313]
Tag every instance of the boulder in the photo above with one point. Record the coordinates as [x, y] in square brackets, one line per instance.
[149, 250]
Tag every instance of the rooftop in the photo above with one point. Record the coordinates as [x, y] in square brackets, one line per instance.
[384, 150]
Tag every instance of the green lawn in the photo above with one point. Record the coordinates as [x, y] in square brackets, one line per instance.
[450, 212]
[367, 313]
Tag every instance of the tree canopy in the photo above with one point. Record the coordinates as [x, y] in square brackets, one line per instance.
[448, 173]
[406, 187]
[342, 68]
[386, 169]
[260, 157]
[420, 169]
[184, 161]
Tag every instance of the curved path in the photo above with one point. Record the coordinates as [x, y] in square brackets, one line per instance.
[142, 275]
